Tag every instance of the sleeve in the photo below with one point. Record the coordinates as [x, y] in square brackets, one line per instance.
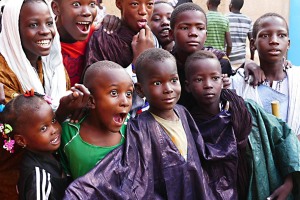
[93, 52]
[62, 156]
[37, 185]
[9, 80]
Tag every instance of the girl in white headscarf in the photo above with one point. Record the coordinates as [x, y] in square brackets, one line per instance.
[18, 73]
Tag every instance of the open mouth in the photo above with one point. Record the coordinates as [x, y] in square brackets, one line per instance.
[142, 23]
[120, 118]
[44, 43]
[56, 140]
[83, 26]
[164, 32]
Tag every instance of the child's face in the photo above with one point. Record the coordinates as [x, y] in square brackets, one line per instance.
[135, 13]
[160, 85]
[272, 40]
[204, 81]
[160, 22]
[36, 29]
[42, 132]
[75, 18]
[112, 98]
[189, 32]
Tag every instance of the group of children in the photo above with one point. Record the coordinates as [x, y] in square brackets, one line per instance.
[227, 148]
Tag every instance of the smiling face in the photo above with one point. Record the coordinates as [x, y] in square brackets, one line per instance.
[160, 22]
[111, 99]
[204, 81]
[36, 29]
[272, 40]
[75, 18]
[135, 13]
[41, 132]
[189, 32]
[161, 87]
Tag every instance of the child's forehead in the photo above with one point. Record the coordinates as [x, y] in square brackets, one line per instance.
[274, 21]
[191, 16]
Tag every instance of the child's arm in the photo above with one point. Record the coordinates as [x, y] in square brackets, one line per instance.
[228, 43]
[110, 23]
[284, 190]
[73, 104]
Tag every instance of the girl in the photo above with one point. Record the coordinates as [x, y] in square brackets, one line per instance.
[41, 176]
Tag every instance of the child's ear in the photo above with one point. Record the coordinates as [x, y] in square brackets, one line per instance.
[186, 85]
[138, 89]
[55, 8]
[20, 140]
[252, 44]
[119, 4]
[91, 102]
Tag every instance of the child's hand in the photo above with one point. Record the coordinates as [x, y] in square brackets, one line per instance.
[2, 95]
[284, 190]
[142, 41]
[73, 104]
[110, 23]
[258, 74]
[226, 81]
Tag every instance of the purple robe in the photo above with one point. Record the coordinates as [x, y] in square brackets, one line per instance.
[149, 166]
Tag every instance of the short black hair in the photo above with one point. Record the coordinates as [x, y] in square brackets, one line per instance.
[215, 3]
[258, 21]
[237, 4]
[92, 72]
[182, 8]
[198, 55]
[150, 56]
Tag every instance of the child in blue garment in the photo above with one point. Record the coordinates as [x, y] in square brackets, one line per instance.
[163, 151]
[41, 176]
[268, 151]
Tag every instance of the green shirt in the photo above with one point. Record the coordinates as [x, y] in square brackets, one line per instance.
[79, 157]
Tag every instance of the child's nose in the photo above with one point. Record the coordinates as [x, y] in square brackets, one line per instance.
[142, 9]
[44, 29]
[124, 101]
[165, 21]
[168, 88]
[86, 11]
[274, 39]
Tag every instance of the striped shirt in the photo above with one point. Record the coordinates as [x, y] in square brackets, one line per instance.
[240, 25]
[217, 26]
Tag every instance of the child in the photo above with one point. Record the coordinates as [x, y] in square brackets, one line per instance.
[160, 24]
[134, 29]
[41, 176]
[240, 27]
[218, 35]
[267, 161]
[271, 40]
[85, 143]
[161, 156]
[188, 30]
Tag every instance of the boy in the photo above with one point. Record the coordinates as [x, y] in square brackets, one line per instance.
[85, 143]
[271, 40]
[188, 30]
[217, 28]
[240, 27]
[74, 21]
[116, 47]
[160, 159]
[267, 162]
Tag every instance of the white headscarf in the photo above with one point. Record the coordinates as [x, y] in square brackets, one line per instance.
[12, 51]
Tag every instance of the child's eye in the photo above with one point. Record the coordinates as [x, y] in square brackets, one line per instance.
[264, 35]
[93, 4]
[201, 28]
[157, 83]
[198, 80]
[184, 28]
[76, 4]
[129, 94]
[50, 23]
[134, 4]
[150, 4]
[44, 128]
[282, 35]
[174, 80]
[114, 93]
[33, 25]
[156, 18]
[216, 78]
[53, 121]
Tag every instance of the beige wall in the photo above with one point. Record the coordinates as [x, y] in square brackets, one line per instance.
[252, 8]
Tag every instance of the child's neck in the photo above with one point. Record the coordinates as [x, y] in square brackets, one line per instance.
[166, 115]
[209, 110]
[273, 71]
[213, 8]
[235, 11]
